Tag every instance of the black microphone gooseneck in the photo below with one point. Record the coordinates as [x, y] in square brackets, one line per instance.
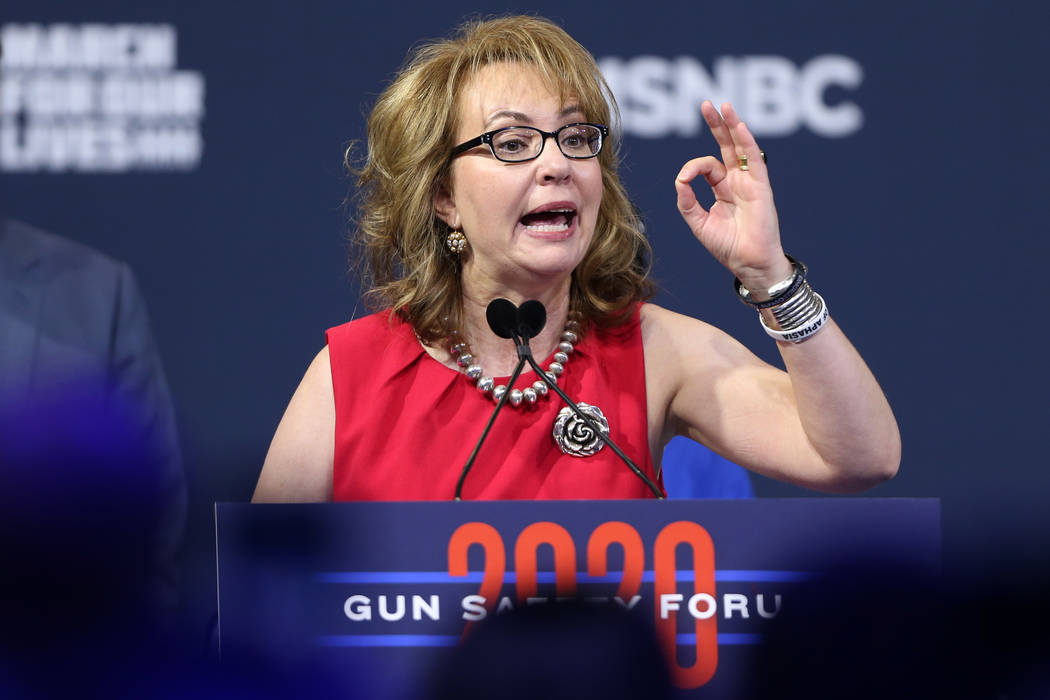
[502, 316]
[528, 328]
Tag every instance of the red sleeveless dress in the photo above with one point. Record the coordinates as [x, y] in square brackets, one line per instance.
[405, 424]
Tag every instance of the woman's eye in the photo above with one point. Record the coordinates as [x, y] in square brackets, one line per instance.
[512, 145]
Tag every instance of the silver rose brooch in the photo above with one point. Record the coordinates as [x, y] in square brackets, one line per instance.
[575, 437]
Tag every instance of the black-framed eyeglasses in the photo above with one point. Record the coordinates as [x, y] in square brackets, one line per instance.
[517, 144]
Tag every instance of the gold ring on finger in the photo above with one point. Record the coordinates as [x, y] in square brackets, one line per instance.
[742, 161]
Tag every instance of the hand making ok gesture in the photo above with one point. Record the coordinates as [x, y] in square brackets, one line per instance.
[740, 229]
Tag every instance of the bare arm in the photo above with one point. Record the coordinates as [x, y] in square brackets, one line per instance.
[825, 423]
[298, 467]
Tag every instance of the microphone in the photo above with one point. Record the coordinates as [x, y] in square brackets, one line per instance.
[532, 317]
[503, 318]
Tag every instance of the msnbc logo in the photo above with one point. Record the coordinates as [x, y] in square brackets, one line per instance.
[660, 97]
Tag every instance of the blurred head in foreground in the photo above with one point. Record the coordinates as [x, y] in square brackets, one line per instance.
[79, 506]
[565, 650]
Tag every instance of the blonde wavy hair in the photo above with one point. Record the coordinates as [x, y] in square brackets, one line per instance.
[401, 242]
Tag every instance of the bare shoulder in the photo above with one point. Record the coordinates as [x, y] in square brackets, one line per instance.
[298, 466]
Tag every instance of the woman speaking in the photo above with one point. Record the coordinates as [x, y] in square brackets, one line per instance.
[491, 173]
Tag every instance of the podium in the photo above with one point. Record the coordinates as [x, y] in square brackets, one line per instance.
[381, 591]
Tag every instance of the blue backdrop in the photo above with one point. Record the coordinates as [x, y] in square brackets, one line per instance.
[203, 143]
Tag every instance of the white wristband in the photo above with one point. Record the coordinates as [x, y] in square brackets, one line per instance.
[803, 332]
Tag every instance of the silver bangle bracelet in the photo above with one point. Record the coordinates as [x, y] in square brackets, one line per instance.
[794, 311]
[796, 318]
[804, 331]
[790, 315]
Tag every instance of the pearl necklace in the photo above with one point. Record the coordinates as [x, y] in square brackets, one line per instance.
[460, 349]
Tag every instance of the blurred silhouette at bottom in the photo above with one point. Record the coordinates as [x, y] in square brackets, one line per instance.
[569, 649]
[78, 509]
[80, 505]
[875, 629]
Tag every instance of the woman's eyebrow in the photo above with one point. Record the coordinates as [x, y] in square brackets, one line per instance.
[508, 114]
[523, 118]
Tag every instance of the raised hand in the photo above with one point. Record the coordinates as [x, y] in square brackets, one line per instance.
[740, 229]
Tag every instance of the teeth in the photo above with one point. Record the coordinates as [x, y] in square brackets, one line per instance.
[552, 228]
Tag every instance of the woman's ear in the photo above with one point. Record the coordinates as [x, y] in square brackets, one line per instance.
[445, 206]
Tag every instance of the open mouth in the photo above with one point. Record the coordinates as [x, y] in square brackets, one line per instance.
[549, 221]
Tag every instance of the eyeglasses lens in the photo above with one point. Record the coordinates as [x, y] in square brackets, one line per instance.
[517, 144]
[525, 143]
[580, 141]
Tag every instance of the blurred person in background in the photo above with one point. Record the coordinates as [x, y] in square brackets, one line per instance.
[92, 487]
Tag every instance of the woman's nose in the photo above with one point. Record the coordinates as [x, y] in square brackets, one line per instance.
[552, 164]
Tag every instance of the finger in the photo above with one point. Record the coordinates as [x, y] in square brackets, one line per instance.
[690, 209]
[745, 143]
[714, 173]
[721, 131]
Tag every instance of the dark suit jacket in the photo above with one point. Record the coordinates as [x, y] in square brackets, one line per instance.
[70, 315]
